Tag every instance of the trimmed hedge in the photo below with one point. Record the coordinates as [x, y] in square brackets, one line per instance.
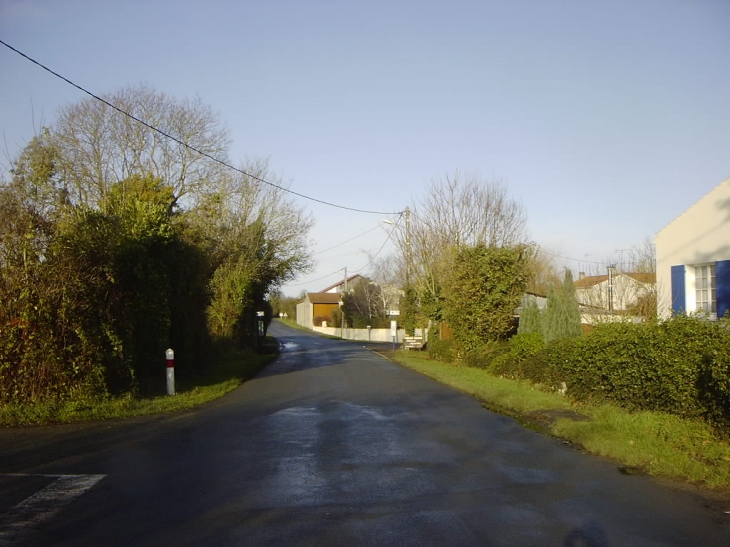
[680, 366]
[441, 350]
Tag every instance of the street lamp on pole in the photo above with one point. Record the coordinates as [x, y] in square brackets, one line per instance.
[408, 243]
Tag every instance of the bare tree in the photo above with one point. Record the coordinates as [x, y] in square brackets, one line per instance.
[642, 257]
[544, 274]
[458, 210]
[389, 273]
[234, 202]
[102, 146]
[463, 209]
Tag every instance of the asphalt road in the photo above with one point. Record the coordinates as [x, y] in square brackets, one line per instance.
[332, 445]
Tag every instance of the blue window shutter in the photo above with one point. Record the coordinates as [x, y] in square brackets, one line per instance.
[722, 282]
[678, 299]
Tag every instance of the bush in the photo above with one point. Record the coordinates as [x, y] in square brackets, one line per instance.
[520, 347]
[680, 366]
[485, 355]
[441, 350]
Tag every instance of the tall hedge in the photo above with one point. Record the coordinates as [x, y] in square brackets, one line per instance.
[482, 293]
[680, 366]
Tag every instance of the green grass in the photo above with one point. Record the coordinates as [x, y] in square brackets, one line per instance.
[498, 393]
[655, 443]
[225, 376]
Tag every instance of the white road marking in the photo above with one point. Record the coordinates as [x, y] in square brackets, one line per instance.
[41, 506]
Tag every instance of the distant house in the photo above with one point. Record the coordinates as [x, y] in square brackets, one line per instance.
[693, 257]
[615, 293]
[539, 299]
[316, 308]
[342, 285]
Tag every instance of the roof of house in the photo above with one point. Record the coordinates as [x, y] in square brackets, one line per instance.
[593, 280]
[590, 281]
[643, 277]
[341, 282]
[324, 297]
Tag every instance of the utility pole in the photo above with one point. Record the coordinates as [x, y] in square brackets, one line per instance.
[342, 297]
[408, 246]
[610, 288]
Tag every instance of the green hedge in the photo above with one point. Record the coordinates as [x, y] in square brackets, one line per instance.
[681, 366]
[441, 350]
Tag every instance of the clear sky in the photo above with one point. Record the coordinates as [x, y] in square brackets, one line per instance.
[605, 119]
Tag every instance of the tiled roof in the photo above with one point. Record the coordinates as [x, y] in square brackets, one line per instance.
[643, 277]
[324, 297]
[590, 281]
[593, 280]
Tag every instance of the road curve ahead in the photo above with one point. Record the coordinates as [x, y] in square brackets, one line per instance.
[333, 445]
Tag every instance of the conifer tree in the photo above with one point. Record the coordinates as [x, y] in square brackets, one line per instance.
[530, 320]
[562, 316]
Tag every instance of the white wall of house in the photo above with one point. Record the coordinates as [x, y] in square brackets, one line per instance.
[626, 291]
[305, 313]
[698, 237]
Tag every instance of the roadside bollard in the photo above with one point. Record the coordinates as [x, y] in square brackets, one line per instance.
[170, 358]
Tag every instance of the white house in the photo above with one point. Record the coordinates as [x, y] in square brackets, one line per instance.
[693, 257]
[615, 292]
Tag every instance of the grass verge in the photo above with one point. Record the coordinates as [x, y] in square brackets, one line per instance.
[654, 443]
[225, 376]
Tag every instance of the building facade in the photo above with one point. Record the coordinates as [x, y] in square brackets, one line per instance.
[693, 258]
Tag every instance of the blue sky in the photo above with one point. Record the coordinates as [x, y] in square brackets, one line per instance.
[605, 119]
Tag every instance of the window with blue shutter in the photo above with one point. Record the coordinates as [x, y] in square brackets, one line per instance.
[722, 281]
[678, 299]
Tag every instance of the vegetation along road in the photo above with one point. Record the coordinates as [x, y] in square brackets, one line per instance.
[331, 445]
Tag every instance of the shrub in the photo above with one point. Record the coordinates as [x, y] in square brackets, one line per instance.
[441, 350]
[485, 355]
[520, 347]
[680, 366]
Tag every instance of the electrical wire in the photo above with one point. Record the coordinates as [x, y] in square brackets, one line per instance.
[372, 259]
[188, 146]
[241, 171]
[355, 271]
[348, 241]
[573, 259]
[311, 280]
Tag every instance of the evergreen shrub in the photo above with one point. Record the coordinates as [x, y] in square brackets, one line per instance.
[520, 347]
[485, 355]
[441, 350]
[680, 366]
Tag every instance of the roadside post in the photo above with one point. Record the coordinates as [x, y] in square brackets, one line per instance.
[369, 338]
[259, 328]
[170, 358]
[394, 331]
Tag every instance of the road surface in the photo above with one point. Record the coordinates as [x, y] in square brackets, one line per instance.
[332, 445]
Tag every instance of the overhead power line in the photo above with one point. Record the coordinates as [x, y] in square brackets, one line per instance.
[186, 145]
[347, 241]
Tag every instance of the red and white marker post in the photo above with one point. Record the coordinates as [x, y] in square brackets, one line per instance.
[170, 358]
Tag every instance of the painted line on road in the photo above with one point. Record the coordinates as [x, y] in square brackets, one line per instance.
[30, 513]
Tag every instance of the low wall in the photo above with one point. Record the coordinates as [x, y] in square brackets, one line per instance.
[362, 335]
